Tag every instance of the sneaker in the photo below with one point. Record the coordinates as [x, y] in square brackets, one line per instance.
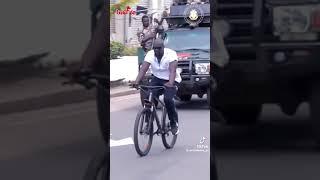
[174, 128]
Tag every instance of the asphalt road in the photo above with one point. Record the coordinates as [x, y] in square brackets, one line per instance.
[279, 148]
[57, 143]
[181, 162]
[51, 144]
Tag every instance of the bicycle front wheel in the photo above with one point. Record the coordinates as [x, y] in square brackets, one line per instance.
[168, 138]
[143, 132]
[103, 106]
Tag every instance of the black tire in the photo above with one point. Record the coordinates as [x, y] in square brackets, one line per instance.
[315, 111]
[103, 110]
[143, 113]
[186, 97]
[209, 97]
[98, 168]
[241, 114]
[168, 144]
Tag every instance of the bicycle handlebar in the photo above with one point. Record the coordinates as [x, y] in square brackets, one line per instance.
[153, 87]
[84, 79]
[97, 77]
[148, 87]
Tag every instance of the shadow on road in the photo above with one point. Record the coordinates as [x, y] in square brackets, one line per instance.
[274, 132]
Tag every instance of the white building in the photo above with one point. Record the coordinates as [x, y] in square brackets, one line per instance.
[124, 28]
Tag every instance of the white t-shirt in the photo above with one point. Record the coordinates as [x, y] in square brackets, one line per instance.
[161, 70]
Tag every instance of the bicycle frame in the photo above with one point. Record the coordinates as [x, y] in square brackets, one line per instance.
[149, 104]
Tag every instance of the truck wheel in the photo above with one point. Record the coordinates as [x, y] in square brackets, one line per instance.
[241, 114]
[186, 97]
[315, 111]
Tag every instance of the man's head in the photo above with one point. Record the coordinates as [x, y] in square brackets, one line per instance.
[145, 21]
[158, 47]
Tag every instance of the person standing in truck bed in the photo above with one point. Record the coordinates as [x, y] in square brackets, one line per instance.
[147, 34]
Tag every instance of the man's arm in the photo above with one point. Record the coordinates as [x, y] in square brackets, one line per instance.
[152, 34]
[97, 46]
[142, 72]
[148, 37]
[172, 68]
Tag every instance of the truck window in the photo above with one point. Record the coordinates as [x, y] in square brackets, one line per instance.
[192, 39]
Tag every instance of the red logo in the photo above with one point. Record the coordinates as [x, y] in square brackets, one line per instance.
[183, 56]
[128, 10]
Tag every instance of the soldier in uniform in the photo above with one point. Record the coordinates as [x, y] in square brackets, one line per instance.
[220, 53]
[220, 59]
[147, 34]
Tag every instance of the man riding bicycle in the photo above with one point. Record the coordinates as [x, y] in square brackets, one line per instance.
[163, 63]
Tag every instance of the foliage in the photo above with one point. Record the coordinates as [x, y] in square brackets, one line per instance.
[116, 49]
[130, 51]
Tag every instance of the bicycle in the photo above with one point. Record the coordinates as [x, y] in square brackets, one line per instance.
[144, 123]
[98, 166]
[102, 99]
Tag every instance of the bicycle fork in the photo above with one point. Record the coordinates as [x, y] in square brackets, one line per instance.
[154, 116]
[149, 116]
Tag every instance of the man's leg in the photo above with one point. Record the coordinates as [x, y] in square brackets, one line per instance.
[156, 93]
[146, 93]
[171, 108]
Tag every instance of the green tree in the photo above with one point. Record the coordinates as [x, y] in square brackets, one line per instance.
[116, 49]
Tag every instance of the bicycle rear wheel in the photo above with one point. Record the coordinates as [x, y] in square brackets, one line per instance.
[143, 132]
[168, 139]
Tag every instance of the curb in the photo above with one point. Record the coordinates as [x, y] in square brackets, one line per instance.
[54, 100]
[124, 93]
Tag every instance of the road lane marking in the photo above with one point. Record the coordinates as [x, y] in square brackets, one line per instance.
[121, 142]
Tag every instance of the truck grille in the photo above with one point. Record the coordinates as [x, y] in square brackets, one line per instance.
[239, 14]
[185, 66]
